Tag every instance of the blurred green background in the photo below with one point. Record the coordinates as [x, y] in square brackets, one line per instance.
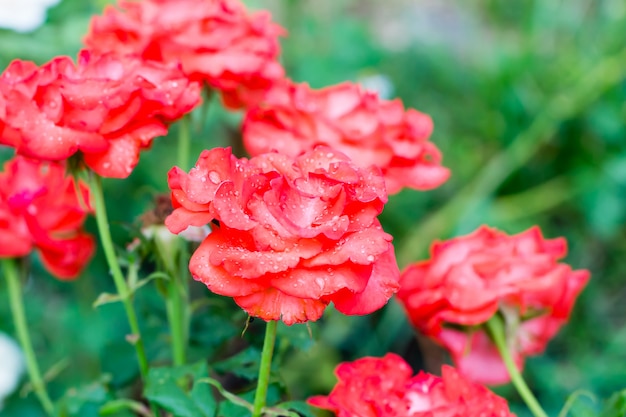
[528, 100]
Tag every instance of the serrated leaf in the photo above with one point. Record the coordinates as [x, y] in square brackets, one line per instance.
[177, 390]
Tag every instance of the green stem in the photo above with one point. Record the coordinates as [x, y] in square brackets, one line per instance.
[178, 289]
[534, 200]
[495, 327]
[264, 370]
[116, 271]
[585, 90]
[178, 312]
[184, 143]
[21, 328]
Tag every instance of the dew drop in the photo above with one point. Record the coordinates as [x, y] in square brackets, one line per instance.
[214, 177]
[320, 282]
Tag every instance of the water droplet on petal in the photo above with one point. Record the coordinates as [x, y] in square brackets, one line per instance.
[214, 177]
[320, 282]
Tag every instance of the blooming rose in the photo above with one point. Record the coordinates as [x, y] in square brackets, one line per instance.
[107, 107]
[385, 387]
[469, 279]
[371, 131]
[217, 41]
[39, 209]
[294, 234]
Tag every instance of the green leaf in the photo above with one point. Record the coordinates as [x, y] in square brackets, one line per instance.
[576, 407]
[134, 286]
[155, 275]
[116, 406]
[244, 364]
[615, 406]
[299, 407]
[300, 336]
[178, 390]
[76, 402]
[106, 298]
[229, 396]
[230, 409]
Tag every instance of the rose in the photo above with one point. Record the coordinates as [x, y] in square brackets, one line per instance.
[107, 107]
[39, 209]
[294, 234]
[371, 131]
[217, 41]
[385, 387]
[470, 278]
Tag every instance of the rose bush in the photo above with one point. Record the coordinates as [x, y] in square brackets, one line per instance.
[40, 210]
[217, 41]
[386, 387]
[295, 118]
[106, 107]
[470, 278]
[294, 234]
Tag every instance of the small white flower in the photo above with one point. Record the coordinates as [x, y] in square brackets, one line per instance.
[11, 366]
[24, 15]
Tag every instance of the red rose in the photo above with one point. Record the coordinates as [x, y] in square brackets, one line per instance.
[107, 107]
[294, 234]
[371, 131]
[39, 209]
[469, 279]
[217, 41]
[385, 387]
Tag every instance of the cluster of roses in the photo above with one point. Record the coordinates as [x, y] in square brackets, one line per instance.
[295, 226]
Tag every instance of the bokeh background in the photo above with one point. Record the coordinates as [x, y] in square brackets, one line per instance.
[528, 101]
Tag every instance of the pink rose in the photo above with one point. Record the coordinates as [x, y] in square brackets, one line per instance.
[386, 387]
[40, 210]
[105, 106]
[293, 234]
[217, 41]
[470, 278]
[371, 131]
